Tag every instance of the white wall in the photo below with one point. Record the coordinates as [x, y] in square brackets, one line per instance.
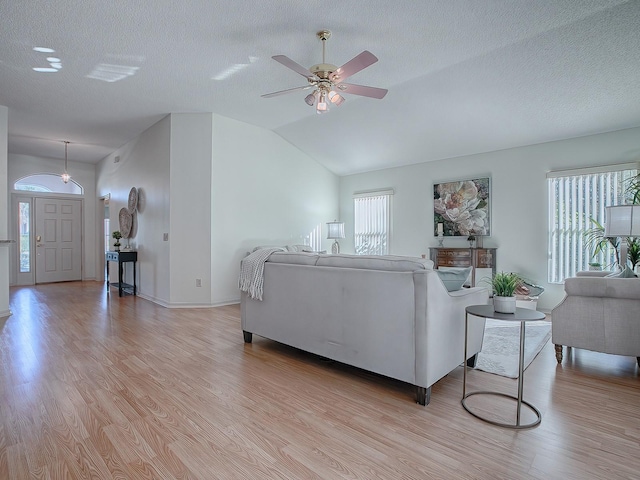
[190, 209]
[264, 192]
[219, 188]
[144, 164]
[4, 250]
[519, 198]
[82, 173]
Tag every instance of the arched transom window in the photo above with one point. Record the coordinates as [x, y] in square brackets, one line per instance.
[48, 182]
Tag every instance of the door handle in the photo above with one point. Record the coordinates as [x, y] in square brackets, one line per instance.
[38, 238]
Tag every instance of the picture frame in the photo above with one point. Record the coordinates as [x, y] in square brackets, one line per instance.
[463, 207]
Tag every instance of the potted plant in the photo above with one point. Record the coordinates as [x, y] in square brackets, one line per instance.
[117, 235]
[595, 239]
[504, 287]
[595, 266]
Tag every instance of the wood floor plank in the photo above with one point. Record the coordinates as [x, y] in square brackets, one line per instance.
[97, 386]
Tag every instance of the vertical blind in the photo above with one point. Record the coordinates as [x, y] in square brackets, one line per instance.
[315, 238]
[372, 222]
[575, 202]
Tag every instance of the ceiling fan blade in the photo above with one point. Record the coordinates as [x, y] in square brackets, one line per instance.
[296, 67]
[372, 92]
[357, 63]
[283, 92]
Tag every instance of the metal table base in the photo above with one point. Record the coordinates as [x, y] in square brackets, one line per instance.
[522, 316]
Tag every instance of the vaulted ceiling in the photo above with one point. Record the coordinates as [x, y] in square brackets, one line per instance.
[464, 76]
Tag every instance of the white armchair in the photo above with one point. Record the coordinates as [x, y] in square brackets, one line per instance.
[600, 314]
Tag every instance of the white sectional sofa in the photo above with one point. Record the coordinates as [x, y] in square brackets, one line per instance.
[385, 314]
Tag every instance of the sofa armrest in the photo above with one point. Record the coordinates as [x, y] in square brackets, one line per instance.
[440, 326]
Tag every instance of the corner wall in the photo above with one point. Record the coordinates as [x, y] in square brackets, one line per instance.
[519, 224]
[264, 192]
[143, 163]
[219, 187]
[190, 209]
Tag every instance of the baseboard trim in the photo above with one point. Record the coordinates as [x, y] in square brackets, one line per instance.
[162, 303]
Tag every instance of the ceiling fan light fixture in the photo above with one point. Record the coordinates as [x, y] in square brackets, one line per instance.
[322, 103]
[336, 98]
[328, 78]
[321, 107]
[311, 98]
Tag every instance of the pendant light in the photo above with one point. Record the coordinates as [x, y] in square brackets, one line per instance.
[65, 176]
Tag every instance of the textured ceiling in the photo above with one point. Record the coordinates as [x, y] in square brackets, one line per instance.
[463, 76]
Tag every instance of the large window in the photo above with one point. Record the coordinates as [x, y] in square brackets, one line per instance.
[372, 222]
[577, 201]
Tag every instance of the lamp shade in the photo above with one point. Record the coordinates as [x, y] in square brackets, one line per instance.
[335, 230]
[622, 221]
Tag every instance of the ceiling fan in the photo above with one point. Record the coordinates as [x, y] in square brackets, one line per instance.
[328, 80]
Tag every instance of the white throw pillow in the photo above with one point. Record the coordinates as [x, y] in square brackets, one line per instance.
[626, 273]
[453, 278]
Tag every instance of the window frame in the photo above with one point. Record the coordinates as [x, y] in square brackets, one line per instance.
[571, 205]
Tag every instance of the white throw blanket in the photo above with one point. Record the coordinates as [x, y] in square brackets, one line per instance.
[252, 271]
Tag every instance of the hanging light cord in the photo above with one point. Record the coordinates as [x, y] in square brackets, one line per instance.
[65, 176]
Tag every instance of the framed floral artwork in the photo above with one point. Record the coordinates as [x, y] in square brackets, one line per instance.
[462, 207]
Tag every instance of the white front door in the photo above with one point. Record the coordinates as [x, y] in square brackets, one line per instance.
[58, 239]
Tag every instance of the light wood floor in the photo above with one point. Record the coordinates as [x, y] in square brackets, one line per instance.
[103, 387]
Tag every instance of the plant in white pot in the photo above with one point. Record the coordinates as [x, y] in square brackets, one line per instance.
[504, 287]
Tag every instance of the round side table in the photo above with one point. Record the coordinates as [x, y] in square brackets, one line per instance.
[522, 315]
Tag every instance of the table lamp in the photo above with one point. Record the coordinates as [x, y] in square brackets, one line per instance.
[335, 230]
[622, 221]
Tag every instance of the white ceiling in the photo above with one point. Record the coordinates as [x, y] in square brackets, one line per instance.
[464, 76]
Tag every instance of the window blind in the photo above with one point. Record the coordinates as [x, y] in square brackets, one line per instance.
[576, 205]
[372, 222]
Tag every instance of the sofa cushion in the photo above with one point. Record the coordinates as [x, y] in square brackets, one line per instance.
[394, 263]
[454, 277]
[296, 258]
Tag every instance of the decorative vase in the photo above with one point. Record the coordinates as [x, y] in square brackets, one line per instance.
[504, 304]
[117, 246]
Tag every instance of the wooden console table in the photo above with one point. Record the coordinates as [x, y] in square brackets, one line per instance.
[120, 258]
[464, 257]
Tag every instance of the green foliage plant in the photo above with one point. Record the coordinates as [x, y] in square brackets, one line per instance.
[596, 241]
[633, 189]
[633, 251]
[505, 284]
